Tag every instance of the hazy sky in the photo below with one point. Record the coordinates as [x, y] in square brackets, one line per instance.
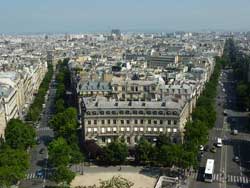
[128, 15]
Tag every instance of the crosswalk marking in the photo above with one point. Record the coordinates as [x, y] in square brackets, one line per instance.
[229, 178]
[33, 176]
[44, 129]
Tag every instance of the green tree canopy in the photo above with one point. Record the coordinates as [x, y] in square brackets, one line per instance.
[19, 135]
[59, 152]
[13, 165]
[63, 175]
[143, 150]
[115, 152]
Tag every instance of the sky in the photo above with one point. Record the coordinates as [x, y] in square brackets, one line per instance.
[77, 16]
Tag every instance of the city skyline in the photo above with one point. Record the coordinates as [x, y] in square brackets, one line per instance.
[99, 16]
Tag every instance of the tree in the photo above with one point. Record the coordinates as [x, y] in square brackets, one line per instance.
[197, 132]
[13, 165]
[143, 150]
[163, 139]
[242, 90]
[59, 152]
[19, 135]
[63, 175]
[60, 106]
[115, 152]
[65, 123]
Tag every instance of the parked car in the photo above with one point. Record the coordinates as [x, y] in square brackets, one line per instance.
[206, 147]
[213, 149]
[201, 148]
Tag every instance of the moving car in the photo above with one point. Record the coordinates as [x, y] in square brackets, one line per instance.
[236, 159]
[219, 142]
[235, 132]
[39, 173]
[42, 151]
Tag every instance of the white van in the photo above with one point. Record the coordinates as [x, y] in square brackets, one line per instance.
[219, 142]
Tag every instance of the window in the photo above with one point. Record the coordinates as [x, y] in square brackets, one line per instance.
[141, 121]
[135, 129]
[141, 129]
[122, 121]
[89, 130]
[114, 129]
[128, 121]
[113, 112]
[108, 129]
[136, 121]
[169, 122]
[95, 122]
[126, 112]
[103, 130]
[168, 112]
[102, 112]
[140, 112]
[169, 130]
[149, 121]
[95, 129]
[128, 129]
[160, 112]
[89, 122]
[148, 112]
[161, 122]
[161, 129]
[134, 112]
[155, 129]
[121, 112]
[88, 113]
[122, 129]
[149, 129]
[175, 122]
[107, 112]
[174, 130]
[123, 88]
[94, 113]
[108, 121]
[114, 121]
[155, 122]
[103, 122]
[174, 113]
[155, 112]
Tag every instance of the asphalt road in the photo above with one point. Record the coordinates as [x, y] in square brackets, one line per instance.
[228, 173]
[39, 153]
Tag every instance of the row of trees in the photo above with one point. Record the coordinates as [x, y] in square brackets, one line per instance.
[14, 159]
[240, 63]
[36, 107]
[64, 149]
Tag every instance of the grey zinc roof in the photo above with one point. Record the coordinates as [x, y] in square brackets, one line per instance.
[95, 86]
[104, 103]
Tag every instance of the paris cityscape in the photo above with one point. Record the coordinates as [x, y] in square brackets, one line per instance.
[124, 94]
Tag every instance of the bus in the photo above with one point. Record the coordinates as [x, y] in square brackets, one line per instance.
[208, 175]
